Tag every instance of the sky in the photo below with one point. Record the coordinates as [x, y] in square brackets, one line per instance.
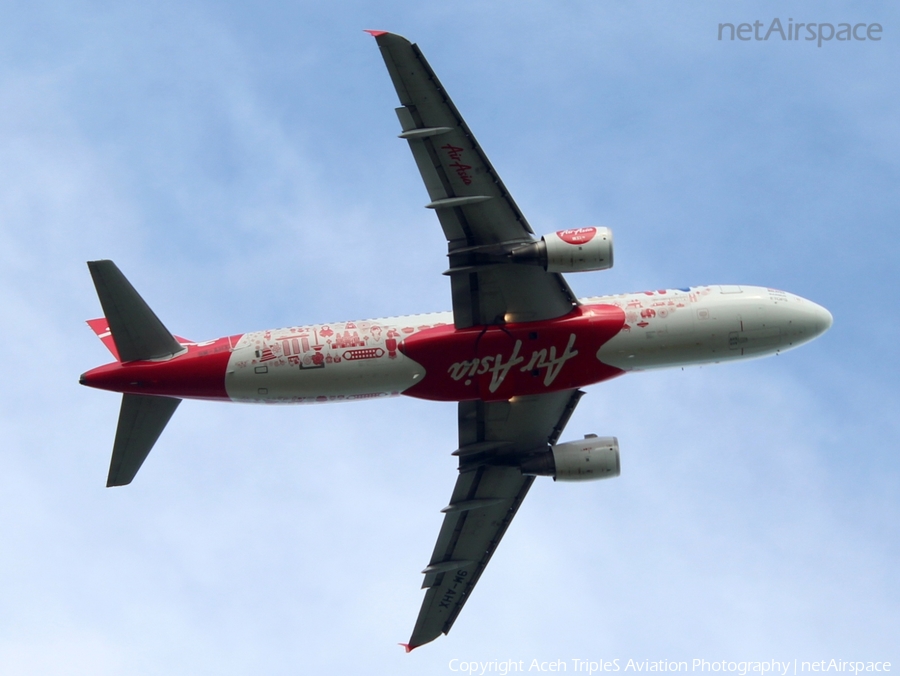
[239, 162]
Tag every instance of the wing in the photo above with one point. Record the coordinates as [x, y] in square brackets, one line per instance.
[494, 437]
[479, 217]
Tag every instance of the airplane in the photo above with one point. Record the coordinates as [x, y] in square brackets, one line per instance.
[514, 352]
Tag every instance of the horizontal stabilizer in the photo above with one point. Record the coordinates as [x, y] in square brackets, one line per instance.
[136, 330]
[141, 420]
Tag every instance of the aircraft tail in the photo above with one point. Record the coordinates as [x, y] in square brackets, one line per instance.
[132, 332]
[142, 419]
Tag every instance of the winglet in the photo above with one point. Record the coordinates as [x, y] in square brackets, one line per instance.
[407, 647]
[375, 34]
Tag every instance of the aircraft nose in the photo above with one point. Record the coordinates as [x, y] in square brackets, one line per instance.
[825, 319]
[815, 320]
[808, 320]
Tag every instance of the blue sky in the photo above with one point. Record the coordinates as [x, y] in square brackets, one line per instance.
[239, 161]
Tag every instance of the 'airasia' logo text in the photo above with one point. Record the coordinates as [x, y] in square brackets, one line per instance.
[577, 236]
[499, 366]
[462, 170]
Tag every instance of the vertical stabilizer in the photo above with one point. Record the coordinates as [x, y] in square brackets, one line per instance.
[136, 330]
[141, 420]
[101, 327]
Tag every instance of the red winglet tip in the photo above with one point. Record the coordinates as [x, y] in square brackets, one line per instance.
[375, 34]
[407, 647]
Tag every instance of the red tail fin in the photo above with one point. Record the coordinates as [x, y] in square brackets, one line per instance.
[101, 328]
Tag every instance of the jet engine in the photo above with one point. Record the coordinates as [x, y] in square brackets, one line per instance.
[578, 250]
[591, 458]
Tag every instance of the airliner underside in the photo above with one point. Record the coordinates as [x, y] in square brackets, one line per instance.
[514, 352]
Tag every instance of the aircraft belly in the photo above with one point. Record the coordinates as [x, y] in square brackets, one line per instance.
[285, 383]
[319, 364]
[496, 363]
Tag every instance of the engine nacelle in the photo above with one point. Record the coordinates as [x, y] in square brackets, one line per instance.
[578, 250]
[591, 458]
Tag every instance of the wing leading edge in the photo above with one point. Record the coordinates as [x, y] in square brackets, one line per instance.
[494, 438]
[479, 217]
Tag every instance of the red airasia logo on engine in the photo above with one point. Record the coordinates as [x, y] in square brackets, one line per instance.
[577, 236]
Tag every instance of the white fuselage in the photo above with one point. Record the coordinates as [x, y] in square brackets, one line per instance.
[671, 327]
[709, 324]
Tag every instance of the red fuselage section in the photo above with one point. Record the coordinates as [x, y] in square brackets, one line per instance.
[495, 363]
[436, 361]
